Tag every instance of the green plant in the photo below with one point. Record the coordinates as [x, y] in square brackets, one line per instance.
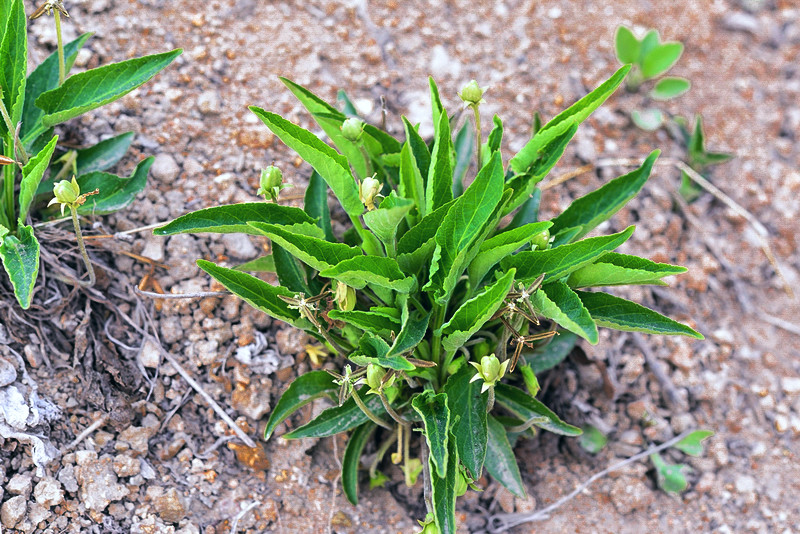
[650, 58]
[699, 158]
[431, 279]
[671, 477]
[31, 106]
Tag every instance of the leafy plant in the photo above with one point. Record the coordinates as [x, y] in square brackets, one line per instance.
[430, 298]
[699, 158]
[650, 59]
[672, 477]
[31, 106]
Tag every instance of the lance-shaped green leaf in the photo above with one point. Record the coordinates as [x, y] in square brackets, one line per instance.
[316, 204]
[468, 405]
[560, 261]
[416, 246]
[289, 274]
[114, 192]
[693, 443]
[312, 251]
[443, 494]
[495, 138]
[20, 255]
[104, 154]
[528, 211]
[351, 458]
[332, 166]
[339, 418]
[463, 147]
[368, 321]
[330, 120]
[359, 271]
[698, 156]
[439, 188]
[373, 349]
[500, 461]
[419, 150]
[548, 356]
[14, 51]
[32, 174]
[264, 264]
[527, 408]
[558, 302]
[234, 218]
[660, 59]
[575, 114]
[411, 184]
[620, 314]
[626, 45]
[436, 106]
[384, 220]
[436, 420]
[415, 326]
[461, 226]
[257, 293]
[544, 160]
[501, 245]
[93, 88]
[474, 313]
[305, 389]
[598, 206]
[44, 78]
[614, 269]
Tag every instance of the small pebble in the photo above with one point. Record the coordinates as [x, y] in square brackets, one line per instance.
[48, 492]
[13, 510]
[164, 168]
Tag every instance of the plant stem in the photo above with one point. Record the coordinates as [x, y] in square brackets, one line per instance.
[478, 141]
[8, 187]
[490, 403]
[372, 417]
[61, 65]
[82, 248]
[373, 468]
[367, 159]
[406, 453]
[391, 411]
[69, 164]
[369, 242]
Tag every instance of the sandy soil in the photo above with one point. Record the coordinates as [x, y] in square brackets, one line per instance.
[164, 469]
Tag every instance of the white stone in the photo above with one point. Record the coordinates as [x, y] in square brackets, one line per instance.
[745, 484]
[150, 356]
[209, 103]
[165, 168]
[48, 492]
[790, 385]
[13, 510]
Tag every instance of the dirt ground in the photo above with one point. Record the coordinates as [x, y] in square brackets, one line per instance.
[165, 462]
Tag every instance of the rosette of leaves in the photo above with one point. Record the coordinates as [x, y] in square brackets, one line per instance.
[650, 59]
[32, 106]
[446, 271]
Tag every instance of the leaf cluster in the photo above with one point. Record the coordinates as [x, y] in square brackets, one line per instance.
[448, 270]
[650, 59]
[32, 106]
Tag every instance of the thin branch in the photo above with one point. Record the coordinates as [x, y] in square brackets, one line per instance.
[240, 515]
[94, 426]
[503, 522]
[199, 294]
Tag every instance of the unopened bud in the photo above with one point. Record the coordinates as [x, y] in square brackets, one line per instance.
[472, 94]
[352, 129]
[541, 240]
[345, 297]
[490, 370]
[375, 374]
[271, 182]
[66, 193]
[367, 191]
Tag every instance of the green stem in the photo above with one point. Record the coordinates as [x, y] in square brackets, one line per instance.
[82, 248]
[69, 164]
[478, 141]
[373, 467]
[367, 159]
[369, 242]
[61, 65]
[13, 139]
[391, 411]
[372, 417]
[9, 172]
[407, 454]
[490, 403]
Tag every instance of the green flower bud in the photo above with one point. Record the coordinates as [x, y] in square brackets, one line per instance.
[490, 370]
[375, 374]
[472, 94]
[367, 191]
[345, 297]
[352, 129]
[66, 193]
[541, 240]
[271, 182]
[461, 484]
[428, 526]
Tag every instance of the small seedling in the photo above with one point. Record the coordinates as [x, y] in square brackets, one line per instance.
[31, 105]
[699, 158]
[650, 59]
[672, 477]
[442, 285]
